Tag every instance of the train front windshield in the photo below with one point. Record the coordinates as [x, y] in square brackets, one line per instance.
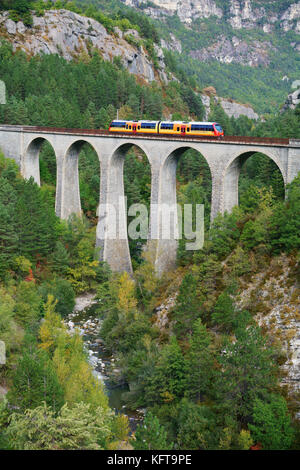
[218, 128]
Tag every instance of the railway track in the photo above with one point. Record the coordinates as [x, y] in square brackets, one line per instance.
[104, 132]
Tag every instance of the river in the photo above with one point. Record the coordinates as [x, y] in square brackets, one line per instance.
[84, 318]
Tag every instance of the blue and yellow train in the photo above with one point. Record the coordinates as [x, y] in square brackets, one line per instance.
[168, 127]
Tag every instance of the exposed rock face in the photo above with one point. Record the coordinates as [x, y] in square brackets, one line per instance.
[236, 110]
[292, 101]
[173, 45]
[243, 15]
[162, 313]
[291, 18]
[69, 34]
[235, 50]
[186, 11]
[239, 13]
[279, 297]
[230, 107]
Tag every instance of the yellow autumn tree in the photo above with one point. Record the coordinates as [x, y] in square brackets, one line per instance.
[52, 326]
[126, 295]
[70, 362]
[75, 374]
[84, 270]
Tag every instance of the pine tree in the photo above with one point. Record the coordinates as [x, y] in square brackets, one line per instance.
[75, 427]
[168, 382]
[36, 221]
[60, 258]
[247, 372]
[34, 381]
[8, 239]
[186, 310]
[8, 230]
[151, 435]
[224, 314]
[272, 424]
[200, 363]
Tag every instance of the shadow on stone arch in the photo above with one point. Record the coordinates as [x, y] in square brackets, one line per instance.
[188, 180]
[89, 181]
[40, 163]
[81, 181]
[135, 172]
[249, 173]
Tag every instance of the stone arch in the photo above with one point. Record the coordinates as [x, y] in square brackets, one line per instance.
[31, 164]
[113, 210]
[232, 171]
[164, 192]
[71, 203]
[178, 151]
[120, 150]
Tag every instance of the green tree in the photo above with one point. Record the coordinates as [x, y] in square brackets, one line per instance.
[272, 423]
[60, 259]
[35, 381]
[197, 427]
[186, 310]
[285, 221]
[36, 221]
[151, 435]
[168, 382]
[75, 427]
[224, 233]
[224, 314]
[62, 291]
[247, 371]
[200, 363]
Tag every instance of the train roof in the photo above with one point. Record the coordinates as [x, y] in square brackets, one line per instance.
[146, 120]
[189, 122]
[202, 123]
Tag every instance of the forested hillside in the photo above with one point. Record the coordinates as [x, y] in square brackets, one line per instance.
[206, 350]
[248, 51]
[246, 54]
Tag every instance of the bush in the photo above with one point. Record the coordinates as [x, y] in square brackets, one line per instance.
[63, 292]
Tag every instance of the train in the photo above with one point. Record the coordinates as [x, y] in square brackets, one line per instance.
[168, 127]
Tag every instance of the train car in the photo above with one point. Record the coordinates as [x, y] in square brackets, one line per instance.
[145, 127]
[119, 126]
[191, 128]
[168, 127]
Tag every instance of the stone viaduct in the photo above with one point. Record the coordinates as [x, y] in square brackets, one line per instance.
[224, 157]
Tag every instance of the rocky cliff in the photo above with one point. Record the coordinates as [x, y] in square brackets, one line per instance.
[274, 295]
[231, 107]
[292, 101]
[235, 50]
[240, 27]
[239, 13]
[69, 34]
[247, 18]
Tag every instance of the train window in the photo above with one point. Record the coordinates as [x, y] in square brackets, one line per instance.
[148, 125]
[188, 129]
[129, 127]
[177, 129]
[118, 124]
